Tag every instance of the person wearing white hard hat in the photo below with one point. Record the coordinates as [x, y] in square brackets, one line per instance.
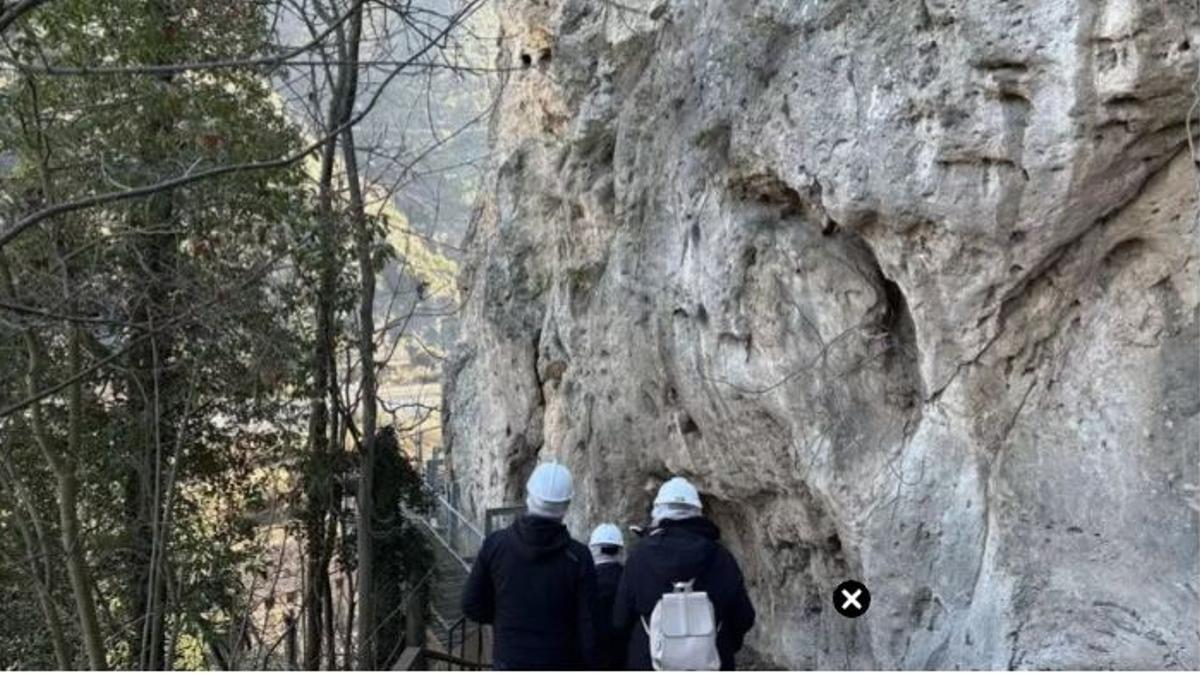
[682, 545]
[607, 545]
[536, 585]
[677, 499]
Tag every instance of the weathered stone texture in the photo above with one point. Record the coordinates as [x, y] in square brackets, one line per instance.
[909, 288]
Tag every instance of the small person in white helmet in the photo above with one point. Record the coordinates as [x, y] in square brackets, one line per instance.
[681, 546]
[536, 585]
[607, 545]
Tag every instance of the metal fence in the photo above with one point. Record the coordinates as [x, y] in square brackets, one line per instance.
[499, 518]
[467, 644]
[461, 536]
[418, 658]
[464, 642]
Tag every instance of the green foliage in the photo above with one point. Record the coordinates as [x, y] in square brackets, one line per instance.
[22, 648]
[402, 553]
[207, 336]
[195, 305]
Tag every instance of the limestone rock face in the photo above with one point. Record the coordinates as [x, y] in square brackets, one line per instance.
[908, 288]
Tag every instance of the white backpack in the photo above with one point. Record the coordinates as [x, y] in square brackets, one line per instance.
[683, 631]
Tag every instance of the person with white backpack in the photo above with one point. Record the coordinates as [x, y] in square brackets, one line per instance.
[682, 594]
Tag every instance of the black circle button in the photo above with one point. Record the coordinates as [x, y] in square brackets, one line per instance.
[851, 599]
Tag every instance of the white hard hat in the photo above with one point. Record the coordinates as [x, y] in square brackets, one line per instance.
[606, 534]
[678, 491]
[551, 482]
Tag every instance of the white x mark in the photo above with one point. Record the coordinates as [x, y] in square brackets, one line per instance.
[852, 599]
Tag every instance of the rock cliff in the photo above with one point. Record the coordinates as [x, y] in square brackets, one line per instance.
[909, 288]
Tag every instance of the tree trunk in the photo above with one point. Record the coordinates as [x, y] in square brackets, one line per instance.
[63, 468]
[36, 547]
[62, 655]
[330, 636]
[85, 605]
[348, 636]
[67, 490]
[155, 406]
[154, 388]
[68, 487]
[364, 245]
[289, 648]
[319, 471]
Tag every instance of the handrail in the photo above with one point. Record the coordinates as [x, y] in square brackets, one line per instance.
[412, 658]
[456, 522]
[452, 659]
[439, 618]
[497, 512]
[455, 659]
[416, 658]
[454, 532]
[459, 626]
[441, 540]
[465, 521]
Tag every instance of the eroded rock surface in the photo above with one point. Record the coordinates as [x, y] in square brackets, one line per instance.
[909, 288]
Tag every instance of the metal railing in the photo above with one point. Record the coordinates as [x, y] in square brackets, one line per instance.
[495, 519]
[423, 658]
[466, 630]
[455, 531]
[457, 535]
[466, 642]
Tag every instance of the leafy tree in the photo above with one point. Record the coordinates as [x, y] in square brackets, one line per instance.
[181, 296]
[191, 337]
[402, 553]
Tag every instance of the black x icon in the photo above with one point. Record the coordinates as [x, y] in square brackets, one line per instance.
[851, 599]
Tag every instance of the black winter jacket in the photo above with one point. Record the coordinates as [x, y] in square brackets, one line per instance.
[610, 642]
[682, 550]
[537, 587]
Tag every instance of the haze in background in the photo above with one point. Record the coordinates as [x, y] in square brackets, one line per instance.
[424, 148]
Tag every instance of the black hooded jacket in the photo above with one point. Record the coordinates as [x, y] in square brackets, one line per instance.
[682, 550]
[537, 587]
[610, 643]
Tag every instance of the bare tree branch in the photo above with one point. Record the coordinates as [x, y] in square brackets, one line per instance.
[266, 63]
[12, 14]
[173, 68]
[55, 316]
[221, 296]
[81, 203]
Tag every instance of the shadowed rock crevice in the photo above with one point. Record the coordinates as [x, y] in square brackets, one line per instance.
[902, 355]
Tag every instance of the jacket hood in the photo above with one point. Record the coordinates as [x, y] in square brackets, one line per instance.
[537, 537]
[687, 547]
[699, 526]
